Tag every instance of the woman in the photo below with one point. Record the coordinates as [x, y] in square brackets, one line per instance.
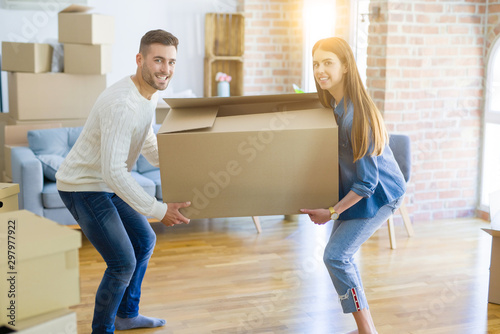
[371, 183]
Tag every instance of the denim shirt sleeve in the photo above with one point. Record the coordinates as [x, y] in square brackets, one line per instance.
[367, 175]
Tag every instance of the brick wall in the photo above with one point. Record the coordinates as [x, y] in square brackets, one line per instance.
[425, 72]
[273, 46]
[493, 24]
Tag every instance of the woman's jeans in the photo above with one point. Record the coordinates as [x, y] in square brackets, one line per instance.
[346, 238]
[125, 240]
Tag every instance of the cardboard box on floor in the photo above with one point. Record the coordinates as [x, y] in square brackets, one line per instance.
[249, 155]
[78, 26]
[8, 197]
[48, 96]
[45, 274]
[17, 135]
[494, 288]
[26, 57]
[59, 321]
[87, 59]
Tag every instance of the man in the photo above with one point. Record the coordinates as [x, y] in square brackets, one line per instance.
[96, 185]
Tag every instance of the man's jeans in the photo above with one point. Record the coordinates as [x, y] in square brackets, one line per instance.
[125, 240]
[346, 238]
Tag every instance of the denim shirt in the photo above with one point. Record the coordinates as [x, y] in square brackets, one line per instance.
[377, 179]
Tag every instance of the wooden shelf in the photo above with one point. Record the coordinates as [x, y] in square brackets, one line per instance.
[224, 49]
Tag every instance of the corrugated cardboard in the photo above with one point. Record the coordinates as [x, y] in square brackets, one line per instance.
[249, 155]
[87, 59]
[59, 321]
[78, 26]
[494, 288]
[17, 135]
[8, 197]
[45, 276]
[26, 57]
[48, 96]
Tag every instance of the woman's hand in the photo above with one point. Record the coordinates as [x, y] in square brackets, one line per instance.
[318, 216]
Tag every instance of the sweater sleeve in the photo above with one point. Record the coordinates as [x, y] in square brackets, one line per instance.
[150, 148]
[116, 133]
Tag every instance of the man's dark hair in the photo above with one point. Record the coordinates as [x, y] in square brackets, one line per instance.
[157, 36]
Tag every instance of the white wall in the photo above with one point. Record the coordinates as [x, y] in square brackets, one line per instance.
[185, 19]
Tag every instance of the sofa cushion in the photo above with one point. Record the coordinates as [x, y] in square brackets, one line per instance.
[143, 165]
[53, 141]
[51, 146]
[154, 176]
[50, 164]
[50, 196]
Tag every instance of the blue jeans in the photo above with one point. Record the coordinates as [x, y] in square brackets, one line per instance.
[346, 238]
[125, 240]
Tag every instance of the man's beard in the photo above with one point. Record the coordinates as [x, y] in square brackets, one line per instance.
[149, 78]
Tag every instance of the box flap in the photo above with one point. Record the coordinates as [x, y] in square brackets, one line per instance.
[75, 9]
[218, 101]
[189, 119]
[198, 113]
[8, 189]
[37, 236]
[494, 233]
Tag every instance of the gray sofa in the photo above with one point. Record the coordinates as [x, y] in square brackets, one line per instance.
[34, 168]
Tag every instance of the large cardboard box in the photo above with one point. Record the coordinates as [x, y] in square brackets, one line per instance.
[48, 96]
[249, 155]
[8, 197]
[59, 321]
[78, 26]
[40, 273]
[26, 57]
[87, 59]
[494, 287]
[17, 135]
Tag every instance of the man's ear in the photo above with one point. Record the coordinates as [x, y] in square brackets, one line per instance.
[139, 59]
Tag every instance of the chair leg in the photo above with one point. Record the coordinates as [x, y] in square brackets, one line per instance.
[392, 235]
[256, 221]
[406, 219]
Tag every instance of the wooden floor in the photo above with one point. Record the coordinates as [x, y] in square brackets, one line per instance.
[220, 276]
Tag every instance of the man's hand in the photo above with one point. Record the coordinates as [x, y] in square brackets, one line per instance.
[173, 216]
[318, 216]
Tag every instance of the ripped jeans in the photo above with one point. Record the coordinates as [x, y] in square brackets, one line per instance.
[346, 238]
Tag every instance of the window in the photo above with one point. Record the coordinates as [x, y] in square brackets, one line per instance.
[490, 176]
[319, 22]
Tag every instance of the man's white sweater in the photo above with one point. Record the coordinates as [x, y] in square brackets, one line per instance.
[118, 129]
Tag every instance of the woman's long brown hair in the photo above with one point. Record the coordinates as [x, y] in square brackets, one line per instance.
[367, 120]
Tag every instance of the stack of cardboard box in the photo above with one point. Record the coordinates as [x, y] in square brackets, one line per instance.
[41, 270]
[41, 274]
[38, 96]
[87, 40]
